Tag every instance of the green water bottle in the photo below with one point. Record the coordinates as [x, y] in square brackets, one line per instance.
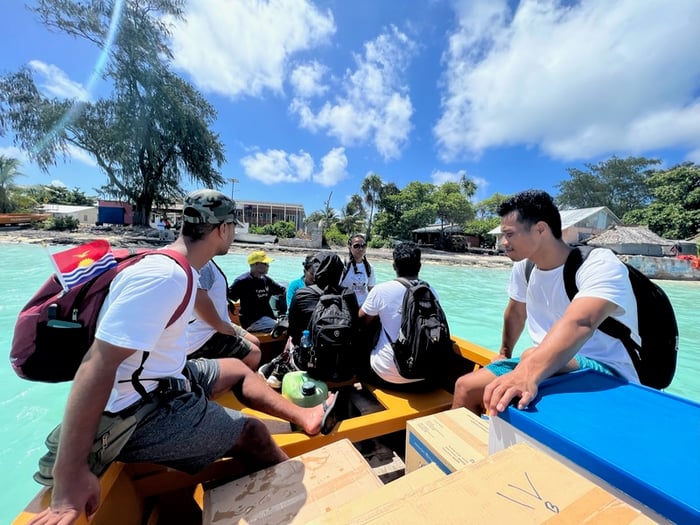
[303, 390]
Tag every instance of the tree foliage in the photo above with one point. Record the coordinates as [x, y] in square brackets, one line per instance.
[452, 204]
[152, 131]
[52, 194]
[9, 171]
[619, 184]
[675, 211]
[371, 188]
[402, 211]
[352, 216]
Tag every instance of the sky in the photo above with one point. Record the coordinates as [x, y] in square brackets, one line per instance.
[312, 96]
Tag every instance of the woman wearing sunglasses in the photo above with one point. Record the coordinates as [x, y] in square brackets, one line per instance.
[358, 274]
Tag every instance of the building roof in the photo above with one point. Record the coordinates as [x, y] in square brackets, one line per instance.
[449, 228]
[572, 217]
[618, 234]
[64, 208]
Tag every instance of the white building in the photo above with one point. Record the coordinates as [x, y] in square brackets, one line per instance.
[84, 214]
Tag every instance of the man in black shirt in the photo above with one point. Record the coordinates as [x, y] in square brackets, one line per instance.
[254, 289]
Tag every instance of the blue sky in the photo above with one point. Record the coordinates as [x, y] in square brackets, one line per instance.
[314, 95]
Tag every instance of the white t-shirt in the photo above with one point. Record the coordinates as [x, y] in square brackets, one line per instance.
[386, 301]
[356, 280]
[601, 275]
[141, 301]
[212, 281]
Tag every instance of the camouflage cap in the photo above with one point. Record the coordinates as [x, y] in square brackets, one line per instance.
[209, 207]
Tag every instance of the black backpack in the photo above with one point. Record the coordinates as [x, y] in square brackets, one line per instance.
[423, 346]
[333, 328]
[655, 359]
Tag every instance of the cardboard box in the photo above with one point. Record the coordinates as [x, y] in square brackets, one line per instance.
[452, 440]
[389, 492]
[638, 443]
[295, 491]
[520, 485]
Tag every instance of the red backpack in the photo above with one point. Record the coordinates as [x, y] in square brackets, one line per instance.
[56, 328]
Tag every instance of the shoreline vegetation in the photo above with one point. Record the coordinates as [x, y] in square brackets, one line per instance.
[129, 237]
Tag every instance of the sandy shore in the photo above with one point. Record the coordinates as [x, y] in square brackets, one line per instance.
[128, 237]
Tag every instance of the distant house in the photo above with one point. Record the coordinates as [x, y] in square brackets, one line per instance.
[115, 212]
[632, 240]
[84, 214]
[431, 235]
[579, 225]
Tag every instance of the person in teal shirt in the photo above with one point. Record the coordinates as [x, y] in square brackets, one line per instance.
[305, 280]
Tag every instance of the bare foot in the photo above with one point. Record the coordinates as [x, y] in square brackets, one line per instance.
[314, 416]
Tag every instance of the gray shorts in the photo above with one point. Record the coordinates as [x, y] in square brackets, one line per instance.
[189, 431]
[223, 345]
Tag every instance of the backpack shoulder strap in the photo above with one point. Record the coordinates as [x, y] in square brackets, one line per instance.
[529, 266]
[368, 268]
[405, 282]
[610, 326]
[220, 271]
[185, 265]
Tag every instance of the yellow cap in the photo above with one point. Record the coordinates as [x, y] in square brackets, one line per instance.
[259, 256]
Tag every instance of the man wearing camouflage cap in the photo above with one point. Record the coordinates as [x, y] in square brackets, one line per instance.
[183, 429]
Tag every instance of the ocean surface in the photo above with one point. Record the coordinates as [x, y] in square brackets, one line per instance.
[473, 299]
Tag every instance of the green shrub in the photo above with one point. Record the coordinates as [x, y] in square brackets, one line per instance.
[378, 242]
[334, 237]
[61, 223]
[281, 230]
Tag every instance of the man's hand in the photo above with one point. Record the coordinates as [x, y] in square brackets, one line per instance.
[71, 496]
[499, 393]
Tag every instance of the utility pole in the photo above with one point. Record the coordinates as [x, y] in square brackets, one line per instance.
[233, 182]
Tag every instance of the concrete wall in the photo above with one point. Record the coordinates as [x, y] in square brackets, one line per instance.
[668, 268]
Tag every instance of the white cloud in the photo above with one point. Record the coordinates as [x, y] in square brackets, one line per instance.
[374, 106]
[243, 47]
[275, 166]
[440, 177]
[577, 81]
[306, 80]
[81, 155]
[56, 83]
[333, 168]
[14, 152]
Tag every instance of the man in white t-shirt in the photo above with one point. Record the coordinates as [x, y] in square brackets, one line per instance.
[184, 430]
[564, 332]
[385, 301]
[211, 333]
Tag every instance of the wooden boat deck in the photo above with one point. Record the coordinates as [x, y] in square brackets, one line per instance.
[126, 489]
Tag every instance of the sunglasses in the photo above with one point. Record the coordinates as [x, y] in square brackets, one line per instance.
[357, 246]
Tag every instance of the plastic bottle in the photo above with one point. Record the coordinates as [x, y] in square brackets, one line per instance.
[306, 350]
[302, 390]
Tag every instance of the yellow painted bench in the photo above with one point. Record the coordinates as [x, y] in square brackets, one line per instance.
[398, 408]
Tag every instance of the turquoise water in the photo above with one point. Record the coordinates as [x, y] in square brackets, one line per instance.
[473, 300]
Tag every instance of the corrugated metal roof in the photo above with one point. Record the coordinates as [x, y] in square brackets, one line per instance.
[64, 208]
[571, 217]
[454, 228]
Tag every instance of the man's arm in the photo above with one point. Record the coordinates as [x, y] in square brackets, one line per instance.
[365, 317]
[206, 311]
[514, 318]
[554, 354]
[76, 488]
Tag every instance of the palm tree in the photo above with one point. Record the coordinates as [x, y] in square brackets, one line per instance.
[352, 215]
[9, 170]
[371, 187]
